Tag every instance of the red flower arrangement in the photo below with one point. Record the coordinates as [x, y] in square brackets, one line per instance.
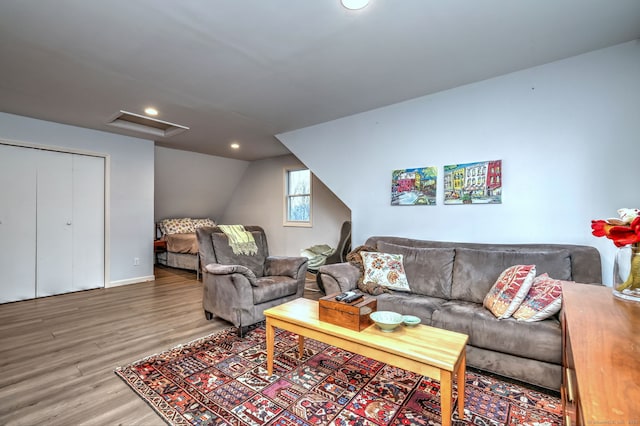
[623, 232]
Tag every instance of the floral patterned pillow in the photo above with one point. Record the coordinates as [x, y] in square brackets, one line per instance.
[178, 226]
[510, 289]
[385, 269]
[543, 300]
[199, 223]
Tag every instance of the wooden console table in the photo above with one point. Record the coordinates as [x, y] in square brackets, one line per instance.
[601, 357]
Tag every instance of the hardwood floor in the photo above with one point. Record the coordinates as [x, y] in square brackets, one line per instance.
[57, 354]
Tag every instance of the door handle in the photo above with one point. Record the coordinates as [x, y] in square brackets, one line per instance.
[69, 223]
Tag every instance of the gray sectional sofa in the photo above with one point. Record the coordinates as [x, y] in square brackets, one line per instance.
[448, 284]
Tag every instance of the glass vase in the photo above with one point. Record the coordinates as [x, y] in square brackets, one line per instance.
[626, 273]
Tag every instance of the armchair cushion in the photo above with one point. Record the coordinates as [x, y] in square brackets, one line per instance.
[283, 265]
[218, 269]
[225, 255]
[274, 287]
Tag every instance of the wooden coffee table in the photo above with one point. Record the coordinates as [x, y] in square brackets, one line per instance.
[425, 350]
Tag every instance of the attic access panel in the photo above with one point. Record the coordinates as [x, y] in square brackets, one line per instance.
[143, 124]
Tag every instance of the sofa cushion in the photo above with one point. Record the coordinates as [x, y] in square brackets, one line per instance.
[429, 270]
[540, 340]
[385, 269]
[476, 270]
[408, 304]
[543, 300]
[510, 289]
[226, 256]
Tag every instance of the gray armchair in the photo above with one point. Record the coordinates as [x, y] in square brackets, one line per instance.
[238, 288]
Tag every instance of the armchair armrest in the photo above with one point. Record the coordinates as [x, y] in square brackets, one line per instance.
[285, 266]
[339, 277]
[217, 269]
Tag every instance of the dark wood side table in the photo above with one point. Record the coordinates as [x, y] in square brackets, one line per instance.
[601, 349]
[159, 246]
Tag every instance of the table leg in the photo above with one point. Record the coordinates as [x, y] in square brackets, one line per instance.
[446, 394]
[300, 346]
[270, 336]
[461, 381]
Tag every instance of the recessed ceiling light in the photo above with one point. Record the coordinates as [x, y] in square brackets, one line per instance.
[355, 4]
[235, 145]
[151, 111]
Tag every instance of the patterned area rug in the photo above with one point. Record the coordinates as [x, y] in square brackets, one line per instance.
[222, 380]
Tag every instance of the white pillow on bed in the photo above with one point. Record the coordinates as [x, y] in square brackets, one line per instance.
[178, 226]
[199, 223]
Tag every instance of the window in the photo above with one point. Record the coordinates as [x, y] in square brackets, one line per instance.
[297, 200]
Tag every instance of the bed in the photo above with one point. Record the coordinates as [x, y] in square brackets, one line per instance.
[182, 245]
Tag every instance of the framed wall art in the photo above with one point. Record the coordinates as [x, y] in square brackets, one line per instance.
[414, 187]
[473, 183]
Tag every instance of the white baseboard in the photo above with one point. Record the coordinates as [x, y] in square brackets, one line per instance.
[132, 281]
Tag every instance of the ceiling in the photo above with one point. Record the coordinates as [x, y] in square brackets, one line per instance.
[245, 70]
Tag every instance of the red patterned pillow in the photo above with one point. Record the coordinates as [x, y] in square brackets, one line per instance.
[543, 300]
[510, 289]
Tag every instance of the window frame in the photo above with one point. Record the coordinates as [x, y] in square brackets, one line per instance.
[287, 197]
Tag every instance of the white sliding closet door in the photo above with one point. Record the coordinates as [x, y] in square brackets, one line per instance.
[54, 229]
[51, 222]
[88, 222]
[17, 223]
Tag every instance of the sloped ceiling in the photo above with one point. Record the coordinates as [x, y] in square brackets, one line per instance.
[245, 70]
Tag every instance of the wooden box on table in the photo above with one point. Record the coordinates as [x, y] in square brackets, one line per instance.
[354, 315]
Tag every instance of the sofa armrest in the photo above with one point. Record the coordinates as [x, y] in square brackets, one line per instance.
[338, 277]
[287, 266]
[217, 269]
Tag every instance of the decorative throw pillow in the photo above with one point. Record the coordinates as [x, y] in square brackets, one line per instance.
[199, 223]
[354, 258]
[178, 226]
[509, 290]
[385, 269]
[543, 300]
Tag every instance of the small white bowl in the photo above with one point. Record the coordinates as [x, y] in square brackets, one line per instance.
[387, 321]
[410, 320]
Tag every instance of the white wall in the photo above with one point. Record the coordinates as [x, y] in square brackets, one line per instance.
[188, 184]
[131, 226]
[568, 134]
[258, 200]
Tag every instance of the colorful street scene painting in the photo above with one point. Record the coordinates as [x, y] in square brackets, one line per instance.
[473, 183]
[411, 187]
